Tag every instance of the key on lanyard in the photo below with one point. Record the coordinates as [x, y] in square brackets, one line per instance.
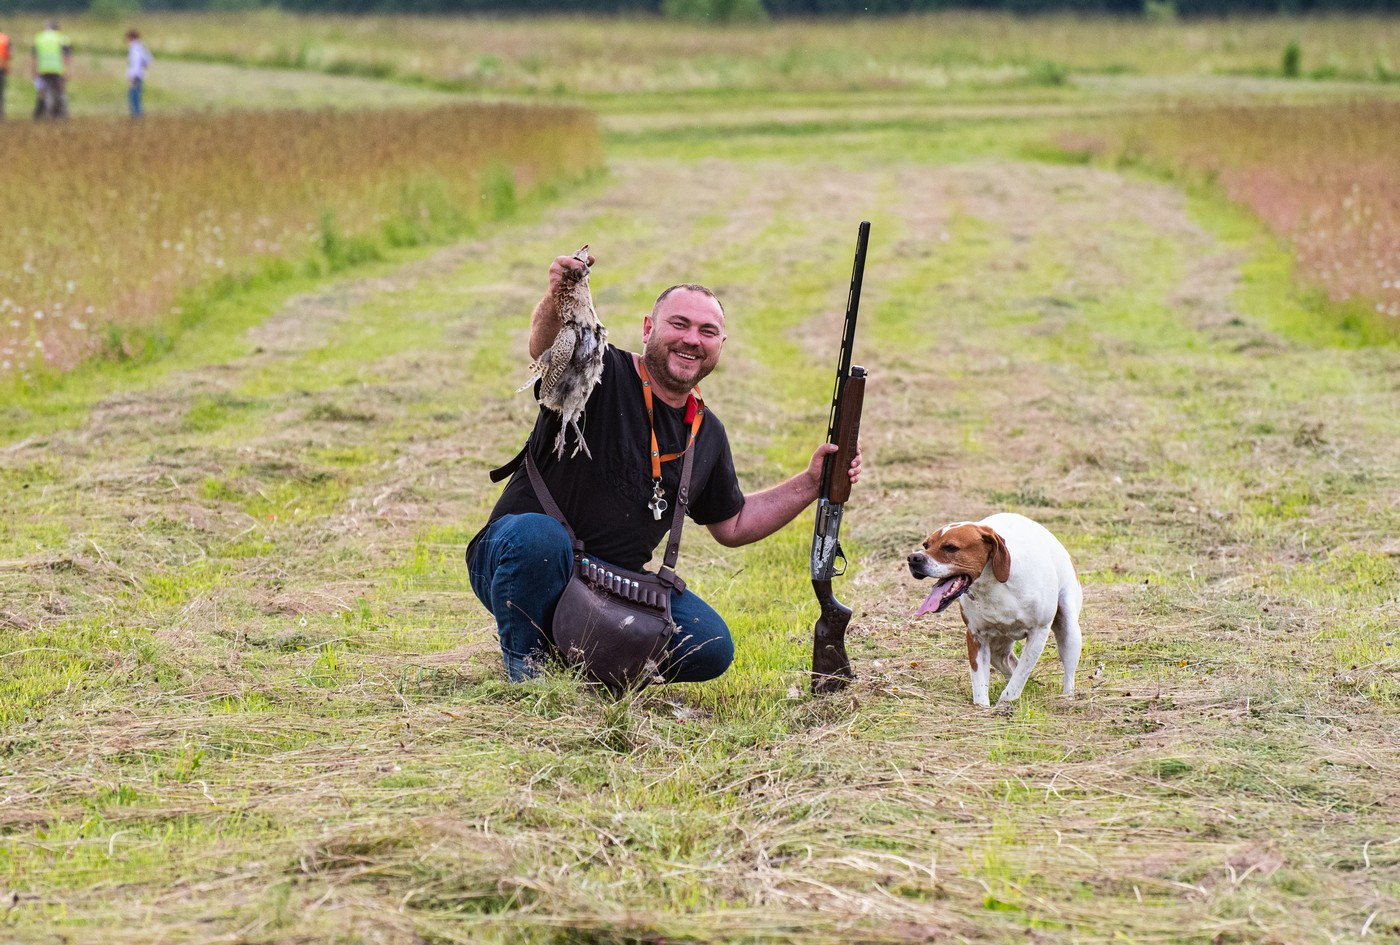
[657, 503]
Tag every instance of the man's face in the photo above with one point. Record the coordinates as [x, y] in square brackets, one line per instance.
[681, 341]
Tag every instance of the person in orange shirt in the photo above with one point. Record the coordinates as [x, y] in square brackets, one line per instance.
[4, 70]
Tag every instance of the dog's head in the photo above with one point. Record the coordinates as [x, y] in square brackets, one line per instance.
[955, 556]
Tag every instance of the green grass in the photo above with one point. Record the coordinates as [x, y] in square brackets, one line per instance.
[245, 691]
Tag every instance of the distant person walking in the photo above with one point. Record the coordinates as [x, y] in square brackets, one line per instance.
[4, 70]
[53, 56]
[138, 60]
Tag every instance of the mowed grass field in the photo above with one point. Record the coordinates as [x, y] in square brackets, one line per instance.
[247, 696]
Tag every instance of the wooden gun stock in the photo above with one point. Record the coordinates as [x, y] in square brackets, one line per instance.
[831, 667]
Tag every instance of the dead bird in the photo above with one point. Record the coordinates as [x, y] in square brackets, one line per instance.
[568, 371]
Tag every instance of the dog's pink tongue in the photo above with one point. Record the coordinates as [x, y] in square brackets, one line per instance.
[935, 597]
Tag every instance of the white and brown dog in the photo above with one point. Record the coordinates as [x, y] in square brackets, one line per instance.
[1014, 581]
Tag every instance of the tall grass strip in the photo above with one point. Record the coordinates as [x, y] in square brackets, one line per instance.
[1327, 178]
[109, 225]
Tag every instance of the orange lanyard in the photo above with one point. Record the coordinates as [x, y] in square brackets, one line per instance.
[658, 504]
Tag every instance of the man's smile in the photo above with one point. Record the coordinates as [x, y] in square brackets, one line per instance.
[687, 357]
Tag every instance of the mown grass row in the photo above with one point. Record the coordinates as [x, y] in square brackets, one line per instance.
[606, 55]
[1326, 178]
[111, 226]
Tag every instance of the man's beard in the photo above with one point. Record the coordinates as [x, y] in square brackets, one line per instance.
[658, 362]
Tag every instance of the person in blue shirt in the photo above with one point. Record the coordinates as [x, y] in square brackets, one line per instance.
[138, 60]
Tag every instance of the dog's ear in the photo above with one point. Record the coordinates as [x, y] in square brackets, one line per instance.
[1001, 558]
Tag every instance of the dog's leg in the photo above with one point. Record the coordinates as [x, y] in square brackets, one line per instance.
[1068, 638]
[1030, 655]
[1003, 659]
[979, 661]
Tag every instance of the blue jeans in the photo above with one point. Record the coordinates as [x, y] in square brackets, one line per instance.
[133, 97]
[519, 570]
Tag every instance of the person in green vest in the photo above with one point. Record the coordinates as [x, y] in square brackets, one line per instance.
[53, 55]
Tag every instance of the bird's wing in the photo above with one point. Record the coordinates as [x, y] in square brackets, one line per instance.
[558, 357]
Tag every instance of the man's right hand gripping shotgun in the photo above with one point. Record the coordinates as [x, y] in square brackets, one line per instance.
[831, 667]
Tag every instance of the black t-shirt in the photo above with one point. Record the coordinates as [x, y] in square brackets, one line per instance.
[605, 498]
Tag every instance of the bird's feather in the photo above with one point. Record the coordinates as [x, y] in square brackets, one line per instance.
[560, 356]
[538, 368]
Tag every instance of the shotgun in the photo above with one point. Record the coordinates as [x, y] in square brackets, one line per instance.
[831, 667]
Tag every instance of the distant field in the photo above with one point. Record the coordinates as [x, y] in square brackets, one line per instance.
[98, 88]
[656, 82]
[604, 56]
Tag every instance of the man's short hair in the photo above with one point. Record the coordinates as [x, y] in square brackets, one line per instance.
[691, 286]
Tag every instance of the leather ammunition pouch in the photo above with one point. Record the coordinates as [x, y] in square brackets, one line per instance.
[612, 623]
